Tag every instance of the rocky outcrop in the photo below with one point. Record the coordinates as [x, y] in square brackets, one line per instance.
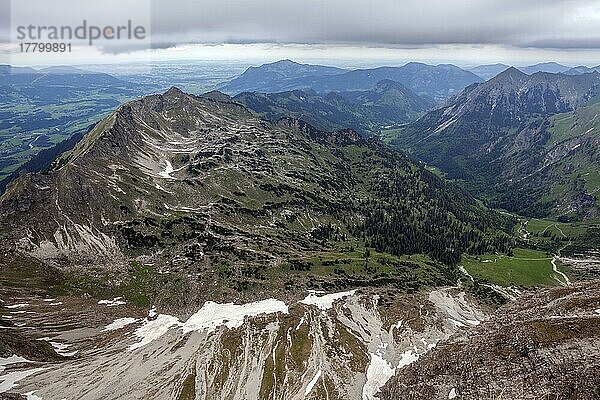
[544, 345]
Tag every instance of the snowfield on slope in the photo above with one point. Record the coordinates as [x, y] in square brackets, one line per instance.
[208, 318]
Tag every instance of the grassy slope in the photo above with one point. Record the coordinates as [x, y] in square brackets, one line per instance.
[525, 268]
[583, 123]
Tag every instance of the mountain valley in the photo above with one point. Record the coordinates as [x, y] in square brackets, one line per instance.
[350, 239]
[516, 140]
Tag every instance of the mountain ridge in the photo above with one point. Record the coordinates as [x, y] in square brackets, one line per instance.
[504, 120]
[440, 81]
[388, 103]
[177, 176]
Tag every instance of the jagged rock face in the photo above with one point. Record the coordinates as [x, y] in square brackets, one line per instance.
[336, 346]
[544, 345]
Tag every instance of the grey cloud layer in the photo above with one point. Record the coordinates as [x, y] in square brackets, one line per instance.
[524, 23]
[547, 23]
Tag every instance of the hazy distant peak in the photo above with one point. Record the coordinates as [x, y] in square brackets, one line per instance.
[174, 91]
[551, 67]
[511, 73]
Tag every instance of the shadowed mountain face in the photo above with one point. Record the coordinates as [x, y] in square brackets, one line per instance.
[525, 351]
[388, 104]
[498, 137]
[437, 82]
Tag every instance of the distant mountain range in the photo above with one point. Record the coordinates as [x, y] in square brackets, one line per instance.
[435, 81]
[489, 71]
[277, 77]
[582, 69]
[502, 139]
[438, 82]
[367, 111]
[550, 67]
[30, 79]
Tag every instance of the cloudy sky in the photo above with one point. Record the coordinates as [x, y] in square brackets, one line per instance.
[461, 31]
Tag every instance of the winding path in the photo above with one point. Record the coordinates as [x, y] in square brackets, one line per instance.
[555, 257]
[566, 281]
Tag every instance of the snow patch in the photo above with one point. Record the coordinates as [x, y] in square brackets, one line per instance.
[453, 393]
[119, 324]
[61, 349]
[14, 359]
[9, 381]
[20, 305]
[212, 315]
[207, 319]
[117, 301]
[325, 302]
[408, 357]
[154, 329]
[378, 373]
[312, 383]
[166, 173]
[32, 396]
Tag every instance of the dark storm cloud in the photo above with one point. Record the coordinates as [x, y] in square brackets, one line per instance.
[533, 23]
